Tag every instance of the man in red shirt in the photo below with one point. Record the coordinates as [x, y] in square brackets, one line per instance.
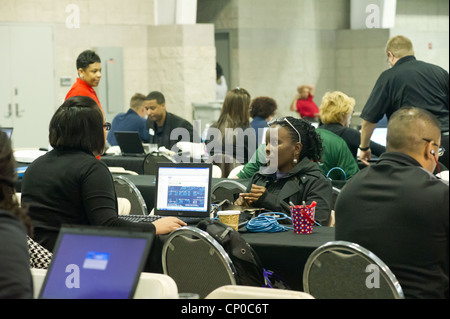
[304, 105]
[90, 73]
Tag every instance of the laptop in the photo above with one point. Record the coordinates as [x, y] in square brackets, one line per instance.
[7, 130]
[379, 135]
[183, 190]
[130, 143]
[96, 263]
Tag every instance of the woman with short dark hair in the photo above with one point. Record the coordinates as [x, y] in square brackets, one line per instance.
[68, 185]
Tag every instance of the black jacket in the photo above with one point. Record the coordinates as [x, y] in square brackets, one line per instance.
[399, 211]
[15, 276]
[172, 122]
[304, 182]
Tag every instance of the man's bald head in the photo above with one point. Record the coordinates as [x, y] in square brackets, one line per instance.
[408, 127]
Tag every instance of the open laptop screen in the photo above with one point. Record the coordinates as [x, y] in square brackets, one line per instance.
[93, 263]
[379, 135]
[183, 189]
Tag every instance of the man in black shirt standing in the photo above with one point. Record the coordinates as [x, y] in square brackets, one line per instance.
[408, 83]
[398, 209]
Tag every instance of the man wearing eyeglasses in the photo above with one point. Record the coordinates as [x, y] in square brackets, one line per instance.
[408, 82]
[398, 209]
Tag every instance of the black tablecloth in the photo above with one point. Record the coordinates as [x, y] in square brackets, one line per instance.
[286, 253]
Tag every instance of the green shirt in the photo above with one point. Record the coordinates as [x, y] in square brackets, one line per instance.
[335, 154]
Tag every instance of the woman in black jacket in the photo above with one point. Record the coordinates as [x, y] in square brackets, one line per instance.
[292, 173]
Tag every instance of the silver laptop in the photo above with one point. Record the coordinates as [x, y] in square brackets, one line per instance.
[96, 263]
[183, 190]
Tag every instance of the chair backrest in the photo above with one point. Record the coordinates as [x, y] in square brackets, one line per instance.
[217, 171]
[156, 286]
[38, 275]
[150, 285]
[335, 193]
[196, 262]
[226, 189]
[40, 257]
[226, 163]
[120, 171]
[250, 292]
[124, 206]
[126, 189]
[150, 162]
[345, 270]
[235, 171]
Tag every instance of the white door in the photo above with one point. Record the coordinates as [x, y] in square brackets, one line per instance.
[30, 84]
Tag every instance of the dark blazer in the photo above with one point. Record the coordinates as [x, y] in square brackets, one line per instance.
[304, 182]
[172, 122]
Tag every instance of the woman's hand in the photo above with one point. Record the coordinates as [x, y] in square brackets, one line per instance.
[167, 225]
[247, 199]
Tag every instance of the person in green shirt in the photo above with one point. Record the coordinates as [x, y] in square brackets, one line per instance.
[337, 162]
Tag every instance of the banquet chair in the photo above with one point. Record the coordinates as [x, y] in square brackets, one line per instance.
[250, 292]
[38, 276]
[126, 189]
[334, 195]
[235, 171]
[226, 189]
[151, 160]
[155, 286]
[124, 206]
[345, 270]
[226, 163]
[120, 171]
[150, 285]
[196, 261]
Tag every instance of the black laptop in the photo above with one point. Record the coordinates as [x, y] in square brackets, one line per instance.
[183, 190]
[130, 143]
[96, 263]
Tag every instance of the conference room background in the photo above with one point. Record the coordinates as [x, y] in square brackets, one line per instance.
[265, 46]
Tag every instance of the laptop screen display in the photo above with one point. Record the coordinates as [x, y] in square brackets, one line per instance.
[183, 188]
[379, 135]
[96, 266]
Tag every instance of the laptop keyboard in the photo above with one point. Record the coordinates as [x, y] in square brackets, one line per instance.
[152, 218]
[140, 218]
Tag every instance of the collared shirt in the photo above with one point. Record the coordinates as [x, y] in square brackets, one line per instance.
[410, 83]
[129, 121]
[81, 88]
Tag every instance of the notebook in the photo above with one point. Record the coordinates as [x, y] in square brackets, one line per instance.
[130, 143]
[96, 263]
[183, 190]
[8, 131]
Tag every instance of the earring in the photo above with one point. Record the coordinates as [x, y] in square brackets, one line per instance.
[294, 160]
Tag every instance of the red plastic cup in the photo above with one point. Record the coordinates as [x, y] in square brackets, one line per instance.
[303, 218]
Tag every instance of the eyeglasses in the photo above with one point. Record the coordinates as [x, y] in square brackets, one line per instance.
[283, 119]
[107, 126]
[441, 150]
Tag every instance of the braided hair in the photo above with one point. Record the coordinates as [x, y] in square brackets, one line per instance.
[8, 178]
[310, 140]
